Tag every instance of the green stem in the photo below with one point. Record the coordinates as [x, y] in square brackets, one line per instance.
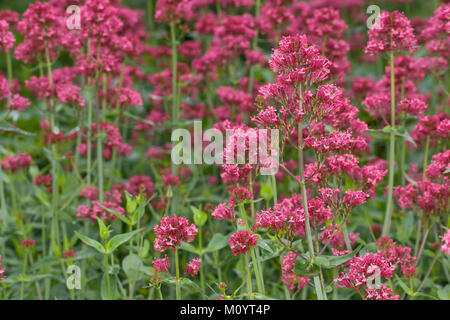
[274, 189]
[100, 142]
[389, 207]
[24, 271]
[177, 272]
[108, 286]
[54, 165]
[346, 238]
[3, 206]
[258, 275]
[202, 275]
[249, 277]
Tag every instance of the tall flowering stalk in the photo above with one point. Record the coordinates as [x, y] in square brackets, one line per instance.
[169, 234]
[391, 34]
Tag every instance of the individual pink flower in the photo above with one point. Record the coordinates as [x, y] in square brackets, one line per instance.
[171, 231]
[161, 265]
[242, 241]
[193, 267]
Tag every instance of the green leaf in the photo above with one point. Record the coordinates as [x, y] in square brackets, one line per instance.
[104, 232]
[266, 191]
[404, 233]
[218, 241]
[263, 244]
[145, 249]
[120, 239]
[406, 136]
[45, 262]
[117, 214]
[91, 242]
[322, 261]
[131, 203]
[403, 285]
[112, 286]
[300, 265]
[444, 292]
[189, 247]
[200, 217]
[131, 264]
[335, 261]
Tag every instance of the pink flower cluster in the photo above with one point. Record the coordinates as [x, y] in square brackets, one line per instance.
[193, 267]
[16, 162]
[392, 32]
[97, 209]
[292, 281]
[242, 241]
[171, 231]
[162, 264]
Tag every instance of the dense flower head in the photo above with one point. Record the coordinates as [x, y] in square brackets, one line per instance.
[424, 196]
[224, 211]
[42, 26]
[242, 241]
[296, 61]
[98, 210]
[27, 243]
[90, 192]
[7, 38]
[69, 254]
[139, 183]
[433, 126]
[193, 267]
[333, 236]
[439, 166]
[171, 231]
[173, 10]
[361, 272]
[16, 162]
[162, 264]
[392, 32]
[44, 180]
[398, 255]
[326, 22]
[19, 103]
[287, 215]
[436, 32]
